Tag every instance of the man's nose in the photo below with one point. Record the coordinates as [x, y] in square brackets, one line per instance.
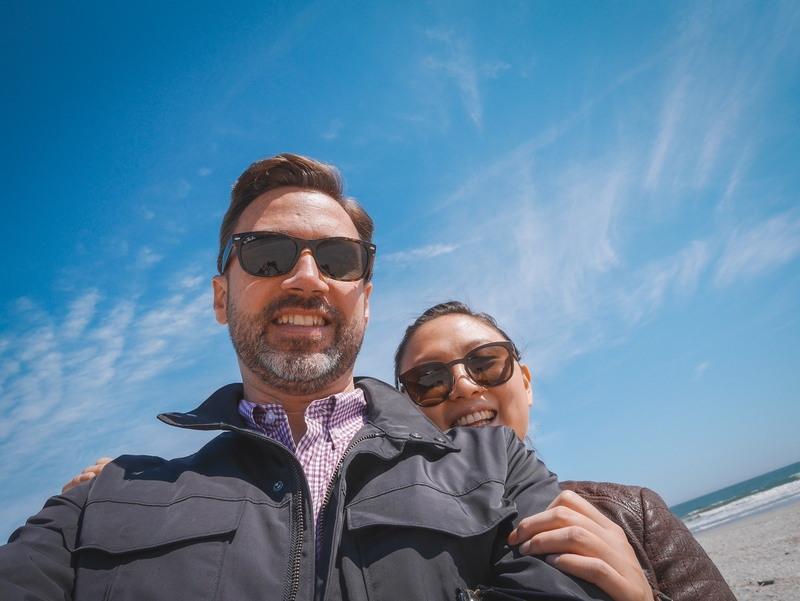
[305, 276]
[463, 386]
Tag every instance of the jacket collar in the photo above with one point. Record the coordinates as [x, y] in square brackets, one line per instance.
[220, 411]
[387, 409]
[397, 416]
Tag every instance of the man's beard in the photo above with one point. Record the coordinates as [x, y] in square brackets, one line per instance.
[295, 368]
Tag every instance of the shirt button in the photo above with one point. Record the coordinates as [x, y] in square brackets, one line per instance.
[416, 435]
[270, 417]
[336, 432]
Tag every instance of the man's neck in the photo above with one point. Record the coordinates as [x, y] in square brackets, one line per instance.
[257, 391]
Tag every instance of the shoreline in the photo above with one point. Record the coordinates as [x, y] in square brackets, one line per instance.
[762, 548]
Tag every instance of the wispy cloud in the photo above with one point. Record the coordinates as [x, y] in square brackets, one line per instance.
[720, 65]
[678, 273]
[84, 374]
[147, 257]
[182, 188]
[571, 252]
[334, 129]
[458, 64]
[93, 378]
[494, 70]
[670, 118]
[750, 252]
[407, 257]
[81, 313]
[535, 260]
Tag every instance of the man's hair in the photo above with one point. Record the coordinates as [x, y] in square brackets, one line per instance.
[446, 308]
[289, 170]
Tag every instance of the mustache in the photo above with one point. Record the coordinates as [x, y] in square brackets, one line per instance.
[291, 301]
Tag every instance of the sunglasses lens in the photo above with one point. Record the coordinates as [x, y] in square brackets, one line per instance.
[428, 384]
[490, 365]
[268, 255]
[342, 259]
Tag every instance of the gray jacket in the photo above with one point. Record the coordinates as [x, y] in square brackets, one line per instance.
[413, 514]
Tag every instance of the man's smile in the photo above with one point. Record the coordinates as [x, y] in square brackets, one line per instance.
[298, 319]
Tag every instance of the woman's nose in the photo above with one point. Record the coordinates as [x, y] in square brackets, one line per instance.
[463, 385]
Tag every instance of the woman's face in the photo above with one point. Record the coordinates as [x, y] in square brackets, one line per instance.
[451, 337]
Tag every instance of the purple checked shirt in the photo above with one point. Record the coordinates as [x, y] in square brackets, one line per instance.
[331, 424]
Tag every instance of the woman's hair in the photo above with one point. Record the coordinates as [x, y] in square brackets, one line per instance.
[446, 308]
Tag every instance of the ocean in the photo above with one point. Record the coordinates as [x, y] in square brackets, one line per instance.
[768, 491]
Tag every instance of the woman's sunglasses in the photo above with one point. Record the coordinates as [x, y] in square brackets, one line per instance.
[268, 254]
[488, 365]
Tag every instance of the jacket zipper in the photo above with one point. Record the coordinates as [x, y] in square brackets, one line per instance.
[329, 491]
[297, 533]
[298, 521]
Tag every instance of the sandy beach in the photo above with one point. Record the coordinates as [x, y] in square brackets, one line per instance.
[764, 548]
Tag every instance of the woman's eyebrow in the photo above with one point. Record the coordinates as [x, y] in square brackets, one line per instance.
[472, 345]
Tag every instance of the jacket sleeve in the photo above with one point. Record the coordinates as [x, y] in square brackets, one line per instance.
[36, 564]
[532, 487]
[672, 559]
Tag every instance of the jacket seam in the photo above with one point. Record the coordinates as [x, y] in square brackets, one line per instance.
[186, 498]
[163, 543]
[219, 569]
[425, 484]
[110, 586]
[489, 526]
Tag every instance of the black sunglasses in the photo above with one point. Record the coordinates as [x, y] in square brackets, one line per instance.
[268, 254]
[488, 365]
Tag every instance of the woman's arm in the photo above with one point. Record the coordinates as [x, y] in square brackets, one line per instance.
[580, 541]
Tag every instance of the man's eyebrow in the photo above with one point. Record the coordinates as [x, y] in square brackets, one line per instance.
[273, 230]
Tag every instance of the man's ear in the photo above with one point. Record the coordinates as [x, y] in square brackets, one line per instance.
[367, 292]
[526, 377]
[220, 285]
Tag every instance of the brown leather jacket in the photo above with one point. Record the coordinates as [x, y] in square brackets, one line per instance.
[673, 561]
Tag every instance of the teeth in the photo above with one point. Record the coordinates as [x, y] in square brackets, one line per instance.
[475, 417]
[301, 320]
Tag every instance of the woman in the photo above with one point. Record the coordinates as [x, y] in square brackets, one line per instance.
[461, 369]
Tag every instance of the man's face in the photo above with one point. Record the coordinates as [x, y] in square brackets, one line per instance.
[298, 333]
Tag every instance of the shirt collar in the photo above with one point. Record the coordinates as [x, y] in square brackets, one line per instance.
[269, 418]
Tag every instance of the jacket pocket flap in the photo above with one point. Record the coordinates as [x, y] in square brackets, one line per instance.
[420, 505]
[117, 527]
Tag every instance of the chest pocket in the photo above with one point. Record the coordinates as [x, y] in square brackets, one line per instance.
[460, 513]
[149, 551]
[418, 541]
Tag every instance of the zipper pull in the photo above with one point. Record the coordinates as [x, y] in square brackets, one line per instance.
[463, 594]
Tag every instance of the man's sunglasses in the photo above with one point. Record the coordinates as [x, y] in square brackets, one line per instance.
[268, 254]
[488, 365]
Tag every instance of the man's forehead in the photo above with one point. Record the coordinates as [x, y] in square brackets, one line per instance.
[299, 212]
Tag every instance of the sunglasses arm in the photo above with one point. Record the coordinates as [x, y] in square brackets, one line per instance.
[226, 255]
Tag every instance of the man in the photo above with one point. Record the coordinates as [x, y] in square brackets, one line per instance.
[319, 487]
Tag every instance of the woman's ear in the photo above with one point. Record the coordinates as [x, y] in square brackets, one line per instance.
[526, 378]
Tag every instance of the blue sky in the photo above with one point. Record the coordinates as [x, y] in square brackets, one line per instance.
[618, 183]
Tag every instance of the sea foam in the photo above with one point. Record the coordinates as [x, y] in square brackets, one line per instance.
[745, 506]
